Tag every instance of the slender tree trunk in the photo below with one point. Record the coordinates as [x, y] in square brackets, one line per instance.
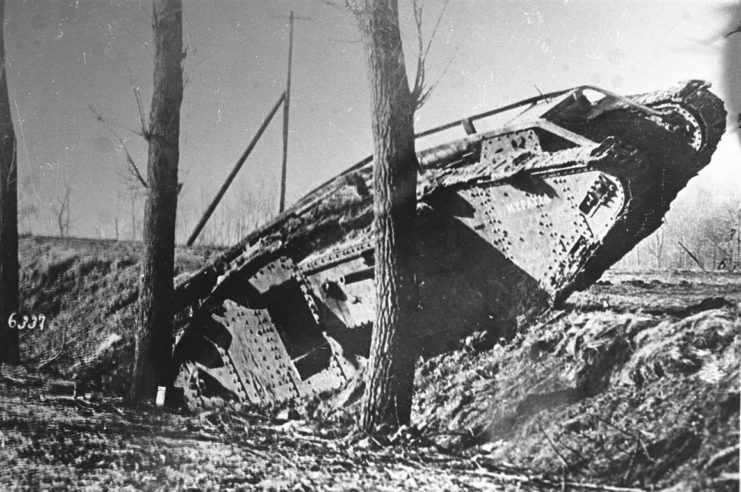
[66, 211]
[388, 394]
[153, 358]
[638, 256]
[8, 215]
[133, 216]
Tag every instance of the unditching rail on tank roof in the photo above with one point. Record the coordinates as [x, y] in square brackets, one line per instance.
[467, 124]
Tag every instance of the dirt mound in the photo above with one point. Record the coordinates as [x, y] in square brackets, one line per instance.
[631, 399]
[73, 283]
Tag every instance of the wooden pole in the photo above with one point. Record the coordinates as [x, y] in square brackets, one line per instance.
[233, 174]
[286, 108]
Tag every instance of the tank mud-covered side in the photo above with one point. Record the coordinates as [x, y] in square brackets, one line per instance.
[510, 222]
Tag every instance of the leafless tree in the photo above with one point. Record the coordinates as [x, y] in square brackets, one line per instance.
[656, 246]
[61, 210]
[718, 235]
[25, 214]
[153, 353]
[115, 218]
[134, 211]
[390, 379]
[8, 215]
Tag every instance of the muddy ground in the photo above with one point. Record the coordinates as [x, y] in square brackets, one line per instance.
[61, 443]
[633, 384]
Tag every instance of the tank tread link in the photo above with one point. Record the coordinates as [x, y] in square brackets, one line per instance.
[510, 222]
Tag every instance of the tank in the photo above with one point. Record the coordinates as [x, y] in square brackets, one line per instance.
[510, 222]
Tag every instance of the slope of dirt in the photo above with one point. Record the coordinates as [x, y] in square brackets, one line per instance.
[641, 390]
[634, 383]
[75, 283]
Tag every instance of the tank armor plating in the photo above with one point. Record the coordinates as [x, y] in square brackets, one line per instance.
[510, 222]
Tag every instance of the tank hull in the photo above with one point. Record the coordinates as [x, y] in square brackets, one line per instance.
[510, 222]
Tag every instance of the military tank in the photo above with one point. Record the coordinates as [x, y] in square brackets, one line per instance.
[510, 222]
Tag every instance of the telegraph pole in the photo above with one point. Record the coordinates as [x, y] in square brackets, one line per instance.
[286, 106]
[283, 99]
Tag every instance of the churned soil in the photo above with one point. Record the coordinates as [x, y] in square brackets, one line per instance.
[630, 385]
[65, 443]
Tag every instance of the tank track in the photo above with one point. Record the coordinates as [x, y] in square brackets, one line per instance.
[510, 223]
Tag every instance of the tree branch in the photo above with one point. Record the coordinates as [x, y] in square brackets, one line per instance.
[419, 73]
[133, 169]
[420, 91]
[139, 104]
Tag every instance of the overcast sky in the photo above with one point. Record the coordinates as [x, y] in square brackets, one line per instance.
[65, 57]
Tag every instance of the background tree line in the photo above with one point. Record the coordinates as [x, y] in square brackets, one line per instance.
[692, 238]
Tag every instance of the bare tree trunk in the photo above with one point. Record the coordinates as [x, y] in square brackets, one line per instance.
[133, 215]
[8, 215]
[153, 359]
[63, 212]
[638, 256]
[66, 210]
[656, 248]
[388, 393]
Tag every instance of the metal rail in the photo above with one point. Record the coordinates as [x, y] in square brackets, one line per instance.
[467, 123]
